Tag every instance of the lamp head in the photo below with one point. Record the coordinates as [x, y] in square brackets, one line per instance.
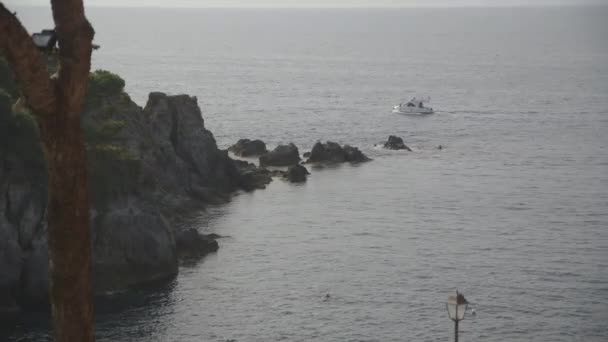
[457, 306]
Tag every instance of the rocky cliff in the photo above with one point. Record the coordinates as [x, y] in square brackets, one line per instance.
[149, 168]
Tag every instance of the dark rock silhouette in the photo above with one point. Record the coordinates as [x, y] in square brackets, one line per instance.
[396, 143]
[248, 148]
[282, 155]
[252, 177]
[332, 153]
[191, 244]
[296, 174]
[353, 155]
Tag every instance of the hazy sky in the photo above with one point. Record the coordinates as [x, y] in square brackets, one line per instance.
[313, 3]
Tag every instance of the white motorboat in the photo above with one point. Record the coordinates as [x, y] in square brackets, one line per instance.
[413, 106]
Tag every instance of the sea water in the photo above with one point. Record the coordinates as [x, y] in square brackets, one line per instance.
[512, 211]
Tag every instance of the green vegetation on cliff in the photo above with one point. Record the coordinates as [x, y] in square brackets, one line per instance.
[113, 170]
[102, 84]
[19, 137]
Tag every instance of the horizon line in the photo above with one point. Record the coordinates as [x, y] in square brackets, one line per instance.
[569, 5]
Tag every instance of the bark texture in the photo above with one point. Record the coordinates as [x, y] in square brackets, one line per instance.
[57, 104]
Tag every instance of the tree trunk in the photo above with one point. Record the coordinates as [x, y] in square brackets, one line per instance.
[57, 104]
[69, 235]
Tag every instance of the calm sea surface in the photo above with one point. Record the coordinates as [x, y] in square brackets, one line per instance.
[513, 211]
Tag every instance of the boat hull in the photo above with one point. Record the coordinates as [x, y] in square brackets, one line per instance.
[406, 110]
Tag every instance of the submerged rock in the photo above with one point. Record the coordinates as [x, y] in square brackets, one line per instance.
[296, 174]
[282, 155]
[248, 148]
[331, 153]
[396, 143]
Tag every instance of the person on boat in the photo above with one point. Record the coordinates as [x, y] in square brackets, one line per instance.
[420, 104]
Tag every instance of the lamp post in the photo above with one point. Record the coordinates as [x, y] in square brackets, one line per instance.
[457, 307]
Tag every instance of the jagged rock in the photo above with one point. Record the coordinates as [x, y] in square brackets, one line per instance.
[396, 143]
[184, 153]
[296, 174]
[306, 155]
[353, 155]
[282, 155]
[192, 244]
[248, 148]
[331, 153]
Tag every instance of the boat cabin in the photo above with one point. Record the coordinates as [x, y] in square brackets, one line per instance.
[415, 103]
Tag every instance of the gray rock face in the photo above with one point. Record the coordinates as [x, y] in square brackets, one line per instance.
[22, 208]
[10, 270]
[248, 148]
[395, 143]
[182, 155]
[34, 279]
[162, 163]
[282, 155]
[131, 245]
[332, 153]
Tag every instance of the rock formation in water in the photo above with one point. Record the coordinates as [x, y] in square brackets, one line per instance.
[253, 177]
[282, 155]
[332, 153]
[149, 168]
[192, 244]
[248, 148]
[396, 143]
[296, 174]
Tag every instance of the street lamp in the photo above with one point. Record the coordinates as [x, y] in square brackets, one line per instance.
[457, 307]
